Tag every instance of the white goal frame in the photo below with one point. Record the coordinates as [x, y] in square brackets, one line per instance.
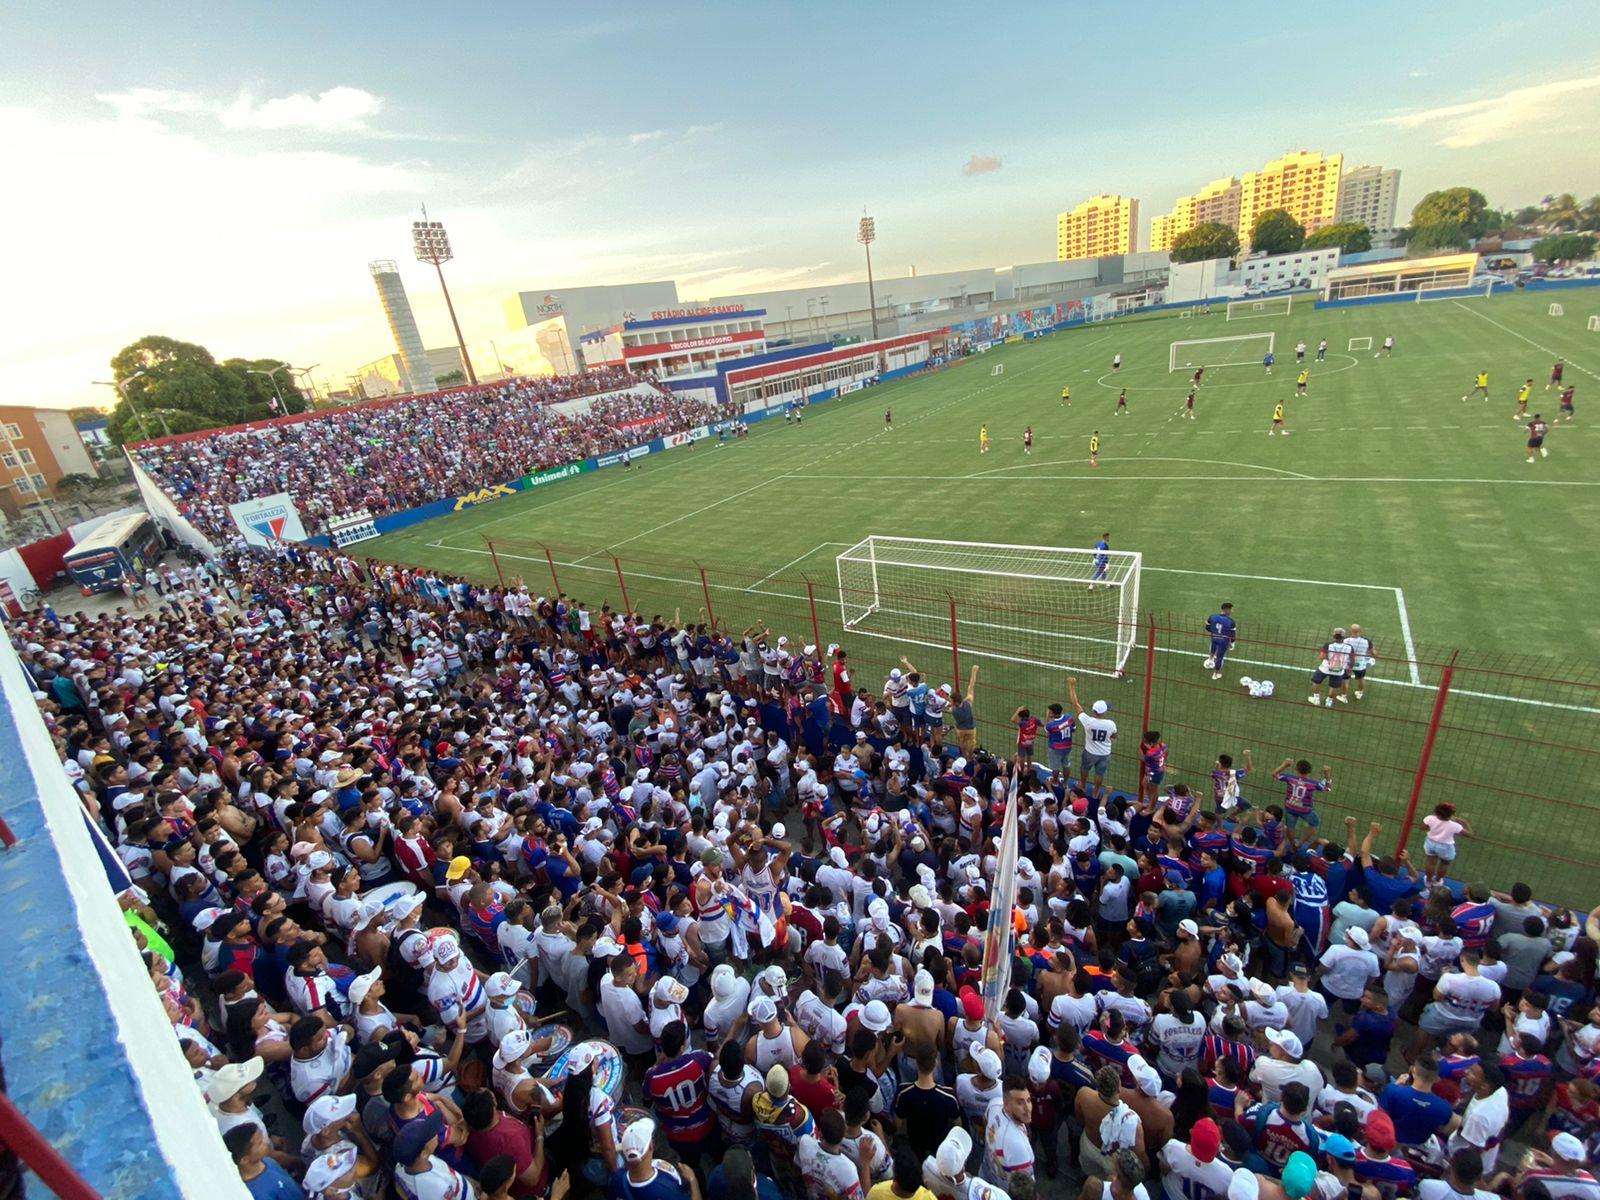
[1245, 310]
[1365, 344]
[1456, 291]
[874, 600]
[998, 369]
[1185, 314]
[1557, 311]
[1270, 348]
[1594, 323]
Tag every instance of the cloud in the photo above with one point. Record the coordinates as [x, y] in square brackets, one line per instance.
[141, 102]
[1419, 73]
[338, 108]
[981, 164]
[1560, 106]
[649, 135]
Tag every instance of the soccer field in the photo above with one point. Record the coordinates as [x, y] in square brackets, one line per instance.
[1392, 503]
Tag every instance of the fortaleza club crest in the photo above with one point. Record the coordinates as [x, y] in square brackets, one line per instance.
[483, 495]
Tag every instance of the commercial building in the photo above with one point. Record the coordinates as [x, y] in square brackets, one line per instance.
[393, 374]
[38, 447]
[561, 316]
[678, 341]
[1370, 197]
[412, 367]
[1305, 183]
[1100, 226]
[1298, 270]
[1217, 202]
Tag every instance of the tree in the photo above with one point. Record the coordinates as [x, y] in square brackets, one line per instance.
[181, 385]
[1444, 235]
[451, 378]
[1589, 214]
[1350, 236]
[1564, 247]
[1276, 232]
[1528, 216]
[1462, 206]
[1561, 212]
[1210, 239]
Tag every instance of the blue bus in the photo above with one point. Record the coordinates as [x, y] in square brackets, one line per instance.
[124, 545]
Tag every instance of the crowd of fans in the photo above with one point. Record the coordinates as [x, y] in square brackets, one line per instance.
[414, 450]
[453, 890]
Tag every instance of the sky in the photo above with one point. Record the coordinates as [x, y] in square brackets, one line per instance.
[222, 173]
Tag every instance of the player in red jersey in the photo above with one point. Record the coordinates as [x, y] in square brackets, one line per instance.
[1194, 380]
[888, 420]
[1122, 403]
[1566, 403]
[1555, 374]
[1537, 428]
[1027, 440]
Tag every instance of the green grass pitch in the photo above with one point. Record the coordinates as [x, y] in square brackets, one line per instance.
[1392, 503]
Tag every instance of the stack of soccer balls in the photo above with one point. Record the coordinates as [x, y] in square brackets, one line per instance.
[1257, 687]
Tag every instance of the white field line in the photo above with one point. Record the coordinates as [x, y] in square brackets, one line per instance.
[1153, 479]
[687, 515]
[1371, 587]
[792, 561]
[1405, 634]
[1195, 654]
[1205, 462]
[1525, 338]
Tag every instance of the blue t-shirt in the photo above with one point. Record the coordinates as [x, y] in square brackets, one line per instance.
[661, 1186]
[274, 1183]
[1374, 1031]
[1386, 889]
[1221, 626]
[1417, 1116]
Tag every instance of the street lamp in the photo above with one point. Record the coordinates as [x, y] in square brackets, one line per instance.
[305, 385]
[823, 304]
[788, 320]
[283, 408]
[432, 245]
[811, 315]
[866, 234]
[122, 389]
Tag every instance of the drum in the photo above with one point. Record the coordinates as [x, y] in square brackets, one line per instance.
[610, 1072]
[387, 894]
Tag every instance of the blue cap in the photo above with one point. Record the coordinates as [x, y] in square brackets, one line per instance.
[1337, 1146]
[666, 922]
[413, 1136]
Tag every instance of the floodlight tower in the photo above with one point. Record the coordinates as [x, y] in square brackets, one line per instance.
[866, 235]
[432, 245]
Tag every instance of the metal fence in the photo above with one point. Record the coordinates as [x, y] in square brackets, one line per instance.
[1513, 743]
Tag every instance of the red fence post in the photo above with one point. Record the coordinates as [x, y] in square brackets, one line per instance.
[18, 1133]
[955, 648]
[705, 590]
[627, 605]
[499, 574]
[1149, 672]
[1427, 753]
[816, 629]
[554, 578]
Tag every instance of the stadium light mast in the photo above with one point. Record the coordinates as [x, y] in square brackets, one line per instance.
[432, 245]
[866, 234]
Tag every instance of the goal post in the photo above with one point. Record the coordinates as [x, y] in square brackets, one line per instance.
[1055, 607]
[998, 369]
[1273, 306]
[1361, 343]
[1237, 350]
[1455, 291]
[1594, 324]
[1557, 311]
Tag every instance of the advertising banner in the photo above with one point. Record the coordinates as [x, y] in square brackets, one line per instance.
[269, 519]
[353, 527]
[633, 453]
[540, 478]
[485, 494]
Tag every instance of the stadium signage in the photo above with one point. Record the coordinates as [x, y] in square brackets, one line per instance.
[268, 519]
[611, 460]
[540, 478]
[683, 439]
[710, 310]
[484, 495]
[352, 527]
[549, 307]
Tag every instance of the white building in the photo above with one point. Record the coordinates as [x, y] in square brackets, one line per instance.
[1369, 196]
[678, 340]
[1296, 271]
[390, 376]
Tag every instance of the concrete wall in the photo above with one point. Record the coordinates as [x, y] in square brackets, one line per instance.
[166, 512]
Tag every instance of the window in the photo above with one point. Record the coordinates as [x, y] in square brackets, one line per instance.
[8, 459]
[24, 484]
[13, 430]
[38, 482]
[27, 456]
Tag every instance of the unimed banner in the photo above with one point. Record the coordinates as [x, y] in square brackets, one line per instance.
[269, 519]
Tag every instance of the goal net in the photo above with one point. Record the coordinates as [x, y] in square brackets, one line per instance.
[1045, 606]
[1239, 350]
[1557, 311]
[1243, 310]
[998, 369]
[1594, 325]
[1456, 291]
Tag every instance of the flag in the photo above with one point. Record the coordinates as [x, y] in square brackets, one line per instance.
[997, 939]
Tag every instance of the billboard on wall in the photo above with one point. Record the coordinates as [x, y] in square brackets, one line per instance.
[269, 519]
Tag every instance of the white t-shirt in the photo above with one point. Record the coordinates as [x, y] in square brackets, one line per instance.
[1305, 1010]
[1007, 1148]
[623, 1010]
[1465, 998]
[1178, 1045]
[1273, 1073]
[1346, 971]
[1098, 733]
[1187, 1178]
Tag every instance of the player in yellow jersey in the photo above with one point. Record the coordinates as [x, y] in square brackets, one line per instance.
[1066, 395]
[1277, 421]
[1094, 448]
[1523, 393]
[983, 439]
[1301, 380]
[1480, 386]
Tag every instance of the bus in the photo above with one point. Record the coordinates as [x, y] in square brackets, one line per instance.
[123, 545]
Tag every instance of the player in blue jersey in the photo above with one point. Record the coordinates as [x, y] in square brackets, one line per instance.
[1102, 560]
[1224, 631]
[1267, 361]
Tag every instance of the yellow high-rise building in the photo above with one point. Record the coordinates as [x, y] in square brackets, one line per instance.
[1218, 201]
[1101, 225]
[1303, 182]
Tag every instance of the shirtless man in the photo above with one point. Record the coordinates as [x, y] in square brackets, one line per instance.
[919, 1021]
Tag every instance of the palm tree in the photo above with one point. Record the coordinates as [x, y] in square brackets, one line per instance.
[1561, 212]
[1589, 214]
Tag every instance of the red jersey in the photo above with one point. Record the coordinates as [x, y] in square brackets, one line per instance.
[680, 1092]
[841, 681]
[1537, 430]
[1027, 733]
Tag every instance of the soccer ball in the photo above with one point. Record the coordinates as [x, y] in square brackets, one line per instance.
[1188, 364]
[1210, 664]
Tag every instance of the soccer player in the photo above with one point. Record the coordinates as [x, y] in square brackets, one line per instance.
[1523, 393]
[1224, 631]
[1066, 395]
[1322, 350]
[1267, 361]
[1094, 448]
[1194, 380]
[1362, 659]
[1566, 403]
[1388, 345]
[1330, 672]
[1536, 431]
[983, 439]
[1027, 440]
[1480, 386]
[1188, 405]
[1555, 374]
[888, 420]
[1277, 420]
[1116, 362]
[1300, 351]
[627, 461]
[1122, 402]
[1102, 560]
[1301, 381]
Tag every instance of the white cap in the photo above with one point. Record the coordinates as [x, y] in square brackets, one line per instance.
[329, 1168]
[878, 910]
[1568, 1148]
[1144, 1075]
[951, 1156]
[762, 1010]
[362, 984]
[722, 981]
[445, 948]
[875, 1016]
[581, 1058]
[1244, 1185]
[326, 1110]
[1286, 1041]
[895, 673]
[1189, 927]
[669, 990]
[1262, 991]
[1101, 708]
[605, 948]
[1039, 1065]
[501, 984]
[919, 896]
[1358, 936]
[638, 1139]
[922, 987]
[987, 1062]
[227, 1080]
[512, 1047]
